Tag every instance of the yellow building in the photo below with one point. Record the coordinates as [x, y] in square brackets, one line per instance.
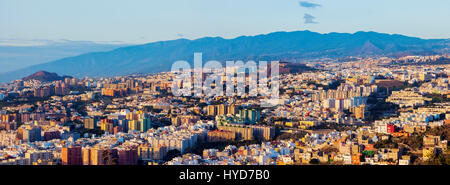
[306, 124]
[427, 153]
[134, 125]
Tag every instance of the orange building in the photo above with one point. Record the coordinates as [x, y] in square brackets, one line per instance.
[220, 135]
[368, 147]
[113, 92]
[71, 155]
[400, 134]
[101, 156]
[356, 159]
[447, 122]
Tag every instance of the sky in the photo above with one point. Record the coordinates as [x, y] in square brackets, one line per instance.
[142, 21]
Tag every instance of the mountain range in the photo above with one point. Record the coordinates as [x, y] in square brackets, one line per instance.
[288, 46]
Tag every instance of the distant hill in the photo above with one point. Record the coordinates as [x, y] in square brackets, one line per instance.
[287, 46]
[18, 54]
[45, 76]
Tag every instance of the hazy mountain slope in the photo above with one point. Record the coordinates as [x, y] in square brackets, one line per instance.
[14, 56]
[158, 56]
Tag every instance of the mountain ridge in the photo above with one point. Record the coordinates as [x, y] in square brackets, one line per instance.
[282, 45]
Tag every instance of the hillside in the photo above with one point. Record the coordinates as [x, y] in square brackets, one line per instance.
[44, 76]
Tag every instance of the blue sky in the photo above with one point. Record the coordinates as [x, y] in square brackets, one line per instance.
[140, 21]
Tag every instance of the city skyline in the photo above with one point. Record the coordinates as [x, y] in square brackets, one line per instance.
[224, 91]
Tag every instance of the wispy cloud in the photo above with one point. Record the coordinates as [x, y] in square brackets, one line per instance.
[309, 19]
[310, 5]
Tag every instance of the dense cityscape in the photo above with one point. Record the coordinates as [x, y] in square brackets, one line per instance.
[358, 111]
